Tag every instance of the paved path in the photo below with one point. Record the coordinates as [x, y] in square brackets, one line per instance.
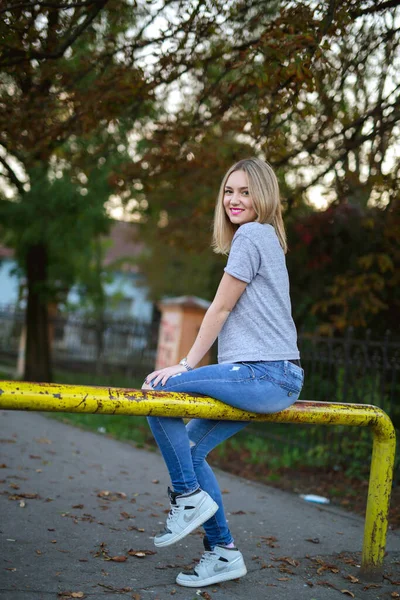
[71, 500]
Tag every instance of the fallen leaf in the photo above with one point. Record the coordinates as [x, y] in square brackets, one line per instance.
[392, 581]
[371, 585]
[327, 584]
[348, 593]
[225, 492]
[11, 569]
[283, 578]
[78, 506]
[141, 553]
[123, 590]
[327, 567]
[53, 541]
[38, 552]
[43, 440]
[26, 496]
[77, 595]
[3, 466]
[395, 595]
[126, 515]
[111, 495]
[313, 540]
[14, 486]
[352, 579]
[155, 481]
[34, 456]
[270, 540]
[22, 504]
[238, 512]
[118, 558]
[290, 561]
[136, 596]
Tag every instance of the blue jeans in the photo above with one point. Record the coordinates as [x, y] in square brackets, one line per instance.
[262, 387]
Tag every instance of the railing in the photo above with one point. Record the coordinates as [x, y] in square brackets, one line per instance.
[84, 399]
[349, 369]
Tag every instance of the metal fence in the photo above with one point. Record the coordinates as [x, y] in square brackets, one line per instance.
[87, 345]
[351, 369]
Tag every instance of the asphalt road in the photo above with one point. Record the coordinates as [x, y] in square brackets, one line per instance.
[78, 511]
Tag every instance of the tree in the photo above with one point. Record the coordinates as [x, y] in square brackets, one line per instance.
[319, 97]
[76, 85]
[83, 80]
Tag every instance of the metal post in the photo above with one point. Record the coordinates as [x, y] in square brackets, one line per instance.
[378, 503]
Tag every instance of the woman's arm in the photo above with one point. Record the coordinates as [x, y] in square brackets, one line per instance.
[228, 293]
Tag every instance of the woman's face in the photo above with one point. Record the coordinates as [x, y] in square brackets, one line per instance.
[237, 200]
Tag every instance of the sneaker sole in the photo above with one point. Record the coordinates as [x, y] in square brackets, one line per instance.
[214, 579]
[191, 527]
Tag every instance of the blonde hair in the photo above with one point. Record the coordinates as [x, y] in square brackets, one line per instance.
[264, 192]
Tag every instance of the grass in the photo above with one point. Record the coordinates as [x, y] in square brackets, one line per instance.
[121, 427]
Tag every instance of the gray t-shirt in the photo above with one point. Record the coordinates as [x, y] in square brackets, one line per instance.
[260, 327]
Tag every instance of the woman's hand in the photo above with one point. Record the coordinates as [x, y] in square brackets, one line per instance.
[164, 374]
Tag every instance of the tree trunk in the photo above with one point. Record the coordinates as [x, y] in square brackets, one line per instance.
[37, 361]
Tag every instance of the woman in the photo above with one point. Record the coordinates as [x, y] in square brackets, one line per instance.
[258, 366]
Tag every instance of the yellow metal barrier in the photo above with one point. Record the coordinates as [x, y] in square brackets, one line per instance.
[88, 399]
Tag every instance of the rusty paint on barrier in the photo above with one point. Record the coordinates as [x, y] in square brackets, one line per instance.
[90, 399]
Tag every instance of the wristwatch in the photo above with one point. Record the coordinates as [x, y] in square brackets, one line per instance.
[185, 364]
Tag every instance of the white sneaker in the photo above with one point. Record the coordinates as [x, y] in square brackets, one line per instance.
[186, 514]
[222, 564]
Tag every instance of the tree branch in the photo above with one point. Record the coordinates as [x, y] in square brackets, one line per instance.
[312, 146]
[100, 4]
[376, 7]
[327, 22]
[12, 176]
[58, 5]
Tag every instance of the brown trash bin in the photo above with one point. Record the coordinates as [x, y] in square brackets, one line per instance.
[180, 322]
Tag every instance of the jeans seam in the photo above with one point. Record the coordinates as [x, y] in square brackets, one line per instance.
[207, 433]
[250, 379]
[282, 384]
[171, 445]
[215, 522]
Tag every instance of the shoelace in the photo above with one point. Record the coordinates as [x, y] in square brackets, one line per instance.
[174, 510]
[208, 556]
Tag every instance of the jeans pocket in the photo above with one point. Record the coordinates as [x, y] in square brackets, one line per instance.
[252, 374]
[288, 381]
